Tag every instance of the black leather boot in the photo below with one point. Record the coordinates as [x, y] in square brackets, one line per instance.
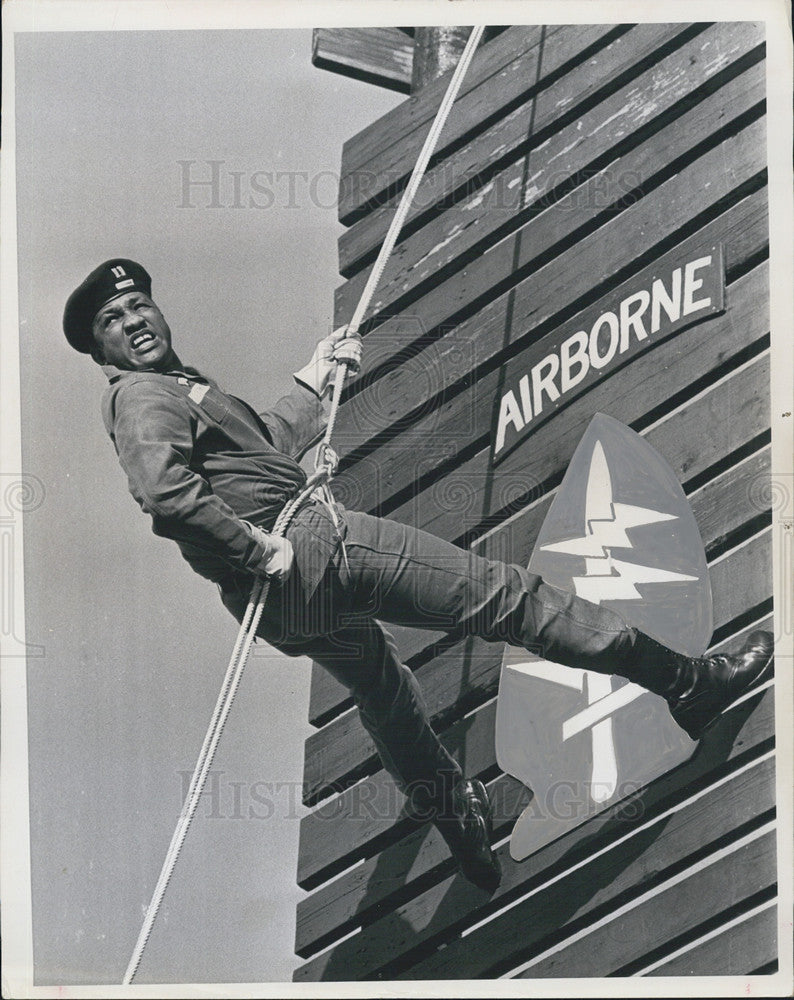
[699, 689]
[466, 825]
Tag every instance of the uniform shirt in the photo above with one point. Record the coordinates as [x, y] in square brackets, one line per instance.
[199, 461]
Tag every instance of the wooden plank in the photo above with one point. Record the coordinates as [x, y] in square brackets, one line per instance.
[381, 405]
[673, 438]
[553, 444]
[455, 411]
[458, 236]
[453, 369]
[469, 671]
[726, 503]
[365, 816]
[418, 112]
[384, 154]
[744, 231]
[707, 889]
[733, 950]
[383, 56]
[554, 154]
[572, 282]
[334, 909]
[522, 261]
[489, 496]
[378, 884]
[742, 319]
[614, 870]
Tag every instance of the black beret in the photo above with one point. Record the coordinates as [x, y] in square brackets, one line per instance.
[113, 278]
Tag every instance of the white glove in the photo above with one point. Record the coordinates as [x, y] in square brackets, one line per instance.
[318, 375]
[280, 555]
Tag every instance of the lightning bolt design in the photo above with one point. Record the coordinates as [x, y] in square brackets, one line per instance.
[606, 527]
[607, 579]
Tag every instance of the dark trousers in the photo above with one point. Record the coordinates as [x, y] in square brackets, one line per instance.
[399, 574]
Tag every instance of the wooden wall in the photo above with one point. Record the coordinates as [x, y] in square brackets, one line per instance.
[574, 158]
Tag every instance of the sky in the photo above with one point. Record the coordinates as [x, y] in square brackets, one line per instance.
[112, 131]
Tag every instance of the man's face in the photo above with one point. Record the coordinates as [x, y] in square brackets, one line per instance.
[131, 333]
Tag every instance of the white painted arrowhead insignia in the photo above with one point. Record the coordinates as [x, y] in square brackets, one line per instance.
[600, 738]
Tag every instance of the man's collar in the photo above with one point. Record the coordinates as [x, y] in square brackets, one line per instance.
[114, 374]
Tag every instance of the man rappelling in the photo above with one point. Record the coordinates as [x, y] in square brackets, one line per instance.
[214, 475]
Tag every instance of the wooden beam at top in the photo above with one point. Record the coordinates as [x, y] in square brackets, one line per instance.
[437, 50]
[383, 56]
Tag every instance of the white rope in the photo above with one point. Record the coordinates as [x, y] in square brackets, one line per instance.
[416, 177]
[228, 690]
[253, 613]
[397, 221]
